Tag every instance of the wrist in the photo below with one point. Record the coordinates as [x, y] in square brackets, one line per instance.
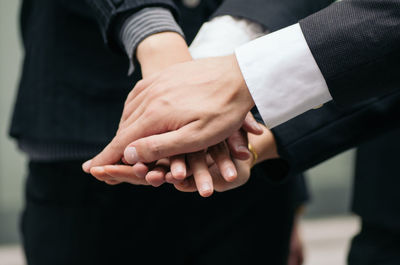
[264, 145]
[161, 50]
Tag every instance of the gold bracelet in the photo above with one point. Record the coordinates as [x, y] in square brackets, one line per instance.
[254, 153]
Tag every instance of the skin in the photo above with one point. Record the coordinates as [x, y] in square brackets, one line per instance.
[185, 108]
[156, 53]
[264, 145]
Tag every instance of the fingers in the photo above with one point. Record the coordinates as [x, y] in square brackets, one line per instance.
[237, 144]
[168, 144]
[170, 179]
[114, 151]
[112, 182]
[202, 177]
[250, 125]
[178, 167]
[100, 174]
[156, 177]
[187, 185]
[140, 170]
[222, 158]
[117, 173]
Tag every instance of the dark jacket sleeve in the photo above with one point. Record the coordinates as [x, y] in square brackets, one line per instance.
[106, 13]
[318, 135]
[272, 14]
[356, 44]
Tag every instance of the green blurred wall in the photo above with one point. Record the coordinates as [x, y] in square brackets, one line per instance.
[12, 162]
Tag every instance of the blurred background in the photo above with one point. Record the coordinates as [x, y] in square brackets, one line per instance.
[326, 227]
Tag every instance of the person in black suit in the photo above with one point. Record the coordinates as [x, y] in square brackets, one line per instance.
[71, 94]
[375, 197]
[312, 62]
[372, 127]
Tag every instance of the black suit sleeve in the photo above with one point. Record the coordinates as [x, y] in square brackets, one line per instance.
[356, 44]
[317, 135]
[106, 12]
[272, 14]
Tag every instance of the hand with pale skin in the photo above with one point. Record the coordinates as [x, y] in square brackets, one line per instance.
[154, 55]
[264, 145]
[202, 167]
[184, 109]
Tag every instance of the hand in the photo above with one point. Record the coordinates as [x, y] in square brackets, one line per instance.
[220, 183]
[296, 251]
[264, 145]
[198, 164]
[196, 104]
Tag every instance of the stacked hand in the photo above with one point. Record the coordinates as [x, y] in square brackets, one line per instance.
[222, 166]
[203, 171]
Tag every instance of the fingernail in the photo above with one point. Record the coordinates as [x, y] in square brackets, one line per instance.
[180, 171]
[98, 170]
[242, 149]
[131, 155]
[230, 173]
[206, 188]
[86, 166]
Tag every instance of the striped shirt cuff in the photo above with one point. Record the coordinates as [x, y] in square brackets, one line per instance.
[142, 24]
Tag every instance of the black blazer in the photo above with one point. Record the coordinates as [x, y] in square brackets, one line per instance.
[317, 135]
[376, 195]
[356, 44]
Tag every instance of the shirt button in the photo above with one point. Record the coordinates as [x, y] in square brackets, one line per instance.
[319, 106]
[191, 3]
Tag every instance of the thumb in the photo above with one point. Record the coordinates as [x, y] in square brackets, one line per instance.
[164, 145]
[111, 154]
[114, 151]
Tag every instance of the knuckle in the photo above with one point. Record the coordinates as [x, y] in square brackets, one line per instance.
[155, 149]
[139, 85]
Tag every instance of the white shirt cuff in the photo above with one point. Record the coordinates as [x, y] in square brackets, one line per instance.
[282, 75]
[222, 35]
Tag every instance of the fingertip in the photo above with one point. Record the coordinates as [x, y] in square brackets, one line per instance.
[140, 170]
[230, 174]
[251, 125]
[206, 190]
[131, 155]
[206, 194]
[155, 179]
[86, 166]
[169, 178]
[97, 171]
[179, 173]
